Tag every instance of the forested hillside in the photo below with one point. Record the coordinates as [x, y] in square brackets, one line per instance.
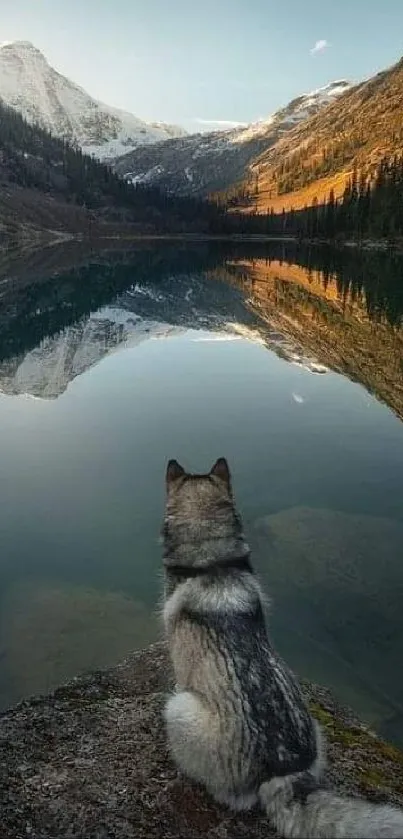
[371, 207]
[355, 132]
[45, 167]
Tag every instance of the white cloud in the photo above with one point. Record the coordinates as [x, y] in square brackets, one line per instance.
[220, 123]
[319, 46]
[216, 338]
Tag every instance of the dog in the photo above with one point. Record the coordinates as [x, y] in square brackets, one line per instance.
[238, 722]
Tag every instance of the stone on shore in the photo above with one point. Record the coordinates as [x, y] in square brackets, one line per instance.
[90, 761]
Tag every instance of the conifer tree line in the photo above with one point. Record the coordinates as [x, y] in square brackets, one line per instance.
[31, 157]
[370, 207]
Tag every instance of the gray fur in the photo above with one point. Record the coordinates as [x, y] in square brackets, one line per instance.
[238, 722]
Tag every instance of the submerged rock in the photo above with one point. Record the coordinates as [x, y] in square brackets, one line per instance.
[90, 761]
[336, 580]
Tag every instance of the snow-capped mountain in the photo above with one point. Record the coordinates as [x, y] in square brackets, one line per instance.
[42, 95]
[310, 103]
[201, 163]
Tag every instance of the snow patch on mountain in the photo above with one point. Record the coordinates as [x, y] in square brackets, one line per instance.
[203, 163]
[297, 110]
[44, 96]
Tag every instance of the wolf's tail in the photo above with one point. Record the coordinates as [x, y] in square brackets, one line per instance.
[298, 807]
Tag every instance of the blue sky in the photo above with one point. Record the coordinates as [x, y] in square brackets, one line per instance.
[197, 62]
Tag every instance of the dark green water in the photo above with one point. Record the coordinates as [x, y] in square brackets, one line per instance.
[291, 369]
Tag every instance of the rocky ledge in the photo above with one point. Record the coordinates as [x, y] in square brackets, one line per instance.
[90, 761]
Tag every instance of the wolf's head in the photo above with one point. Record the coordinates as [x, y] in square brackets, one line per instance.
[201, 526]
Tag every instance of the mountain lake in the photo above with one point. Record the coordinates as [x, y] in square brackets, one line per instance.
[288, 362]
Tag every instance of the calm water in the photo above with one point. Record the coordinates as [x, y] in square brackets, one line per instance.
[290, 365]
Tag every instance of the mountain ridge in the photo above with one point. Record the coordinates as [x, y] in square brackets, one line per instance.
[44, 96]
[320, 154]
[199, 164]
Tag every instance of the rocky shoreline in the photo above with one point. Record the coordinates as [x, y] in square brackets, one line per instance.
[89, 761]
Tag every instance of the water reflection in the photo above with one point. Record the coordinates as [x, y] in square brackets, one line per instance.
[53, 331]
[344, 308]
[341, 309]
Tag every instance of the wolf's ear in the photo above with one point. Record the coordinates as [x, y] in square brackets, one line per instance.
[221, 470]
[174, 471]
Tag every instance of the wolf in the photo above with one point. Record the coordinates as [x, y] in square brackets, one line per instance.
[237, 722]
